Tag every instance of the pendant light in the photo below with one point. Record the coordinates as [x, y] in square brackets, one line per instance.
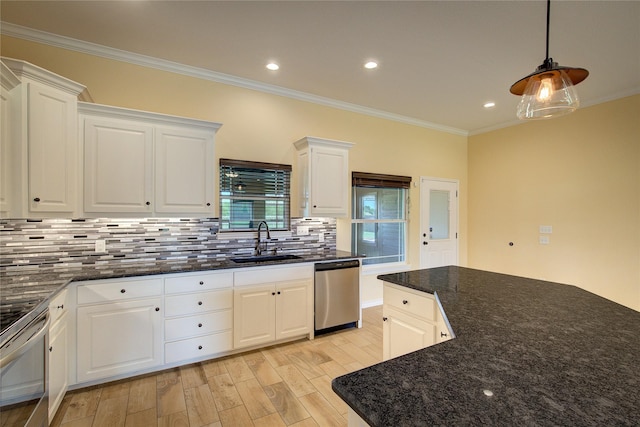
[548, 91]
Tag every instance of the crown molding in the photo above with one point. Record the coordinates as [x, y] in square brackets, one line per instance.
[7, 78]
[23, 69]
[94, 49]
[304, 143]
[90, 108]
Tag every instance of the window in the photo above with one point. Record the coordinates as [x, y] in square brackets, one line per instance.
[379, 217]
[251, 192]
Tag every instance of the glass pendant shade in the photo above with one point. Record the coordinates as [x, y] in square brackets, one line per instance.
[548, 91]
[547, 94]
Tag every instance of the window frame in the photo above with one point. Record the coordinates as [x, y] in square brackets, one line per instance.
[379, 181]
[279, 199]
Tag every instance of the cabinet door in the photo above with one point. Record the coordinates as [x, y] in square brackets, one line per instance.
[329, 181]
[58, 364]
[303, 182]
[294, 309]
[253, 315]
[6, 141]
[184, 170]
[118, 166]
[402, 333]
[52, 148]
[120, 338]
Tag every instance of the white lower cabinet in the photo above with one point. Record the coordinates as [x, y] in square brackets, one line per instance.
[130, 326]
[272, 305]
[294, 309]
[254, 316]
[58, 374]
[412, 320]
[198, 316]
[122, 333]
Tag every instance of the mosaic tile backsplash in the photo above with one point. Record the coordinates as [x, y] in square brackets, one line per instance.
[31, 247]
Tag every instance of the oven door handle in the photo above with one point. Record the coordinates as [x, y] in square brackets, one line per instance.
[24, 347]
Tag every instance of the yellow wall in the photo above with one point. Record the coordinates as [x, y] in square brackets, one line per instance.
[581, 175]
[262, 127]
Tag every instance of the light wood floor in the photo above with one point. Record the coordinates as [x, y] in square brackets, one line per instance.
[286, 385]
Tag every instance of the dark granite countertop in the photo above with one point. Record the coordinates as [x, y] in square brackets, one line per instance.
[526, 352]
[19, 304]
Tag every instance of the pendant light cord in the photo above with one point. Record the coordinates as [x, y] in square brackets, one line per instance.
[548, 15]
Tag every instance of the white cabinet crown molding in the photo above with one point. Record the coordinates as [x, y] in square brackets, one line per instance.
[304, 142]
[9, 80]
[23, 69]
[156, 118]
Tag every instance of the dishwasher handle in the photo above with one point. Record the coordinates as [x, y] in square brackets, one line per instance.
[337, 265]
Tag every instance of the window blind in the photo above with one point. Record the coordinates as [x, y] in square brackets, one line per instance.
[376, 180]
[251, 192]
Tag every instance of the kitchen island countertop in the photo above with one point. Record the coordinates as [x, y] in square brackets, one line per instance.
[526, 352]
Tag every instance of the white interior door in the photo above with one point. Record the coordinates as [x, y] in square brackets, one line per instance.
[438, 222]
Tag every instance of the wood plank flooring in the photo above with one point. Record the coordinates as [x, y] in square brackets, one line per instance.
[285, 385]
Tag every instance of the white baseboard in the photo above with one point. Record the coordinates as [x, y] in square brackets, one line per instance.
[371, 303]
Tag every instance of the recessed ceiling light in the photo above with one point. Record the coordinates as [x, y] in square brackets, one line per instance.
[489, 105]
[371, 65]
[273, 66]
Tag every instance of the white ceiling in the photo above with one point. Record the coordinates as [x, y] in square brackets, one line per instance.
[440, 61]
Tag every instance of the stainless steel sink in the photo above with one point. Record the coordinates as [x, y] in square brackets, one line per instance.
[264, 258]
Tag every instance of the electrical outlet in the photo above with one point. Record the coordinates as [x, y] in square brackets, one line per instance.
[101, 246]
[320, 237]
[544, 240]
[302, 230]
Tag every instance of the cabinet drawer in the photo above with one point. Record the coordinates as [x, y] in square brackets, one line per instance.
[419, 304]
[188, 304]
[118, 290]
[58, 306]
[207, 345]
[186, 327]
[198, 282]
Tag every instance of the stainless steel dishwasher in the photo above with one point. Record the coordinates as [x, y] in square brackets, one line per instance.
[337, 294]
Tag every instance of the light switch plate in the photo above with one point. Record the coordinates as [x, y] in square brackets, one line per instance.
[546, 229]
[544, 240]
[302, 230]
[320, 237]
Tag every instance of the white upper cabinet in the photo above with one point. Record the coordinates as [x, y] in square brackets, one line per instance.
[44, 146]
[118, 166]
[183, 158]
[140, 162]
[323, 177]
[7, 130]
